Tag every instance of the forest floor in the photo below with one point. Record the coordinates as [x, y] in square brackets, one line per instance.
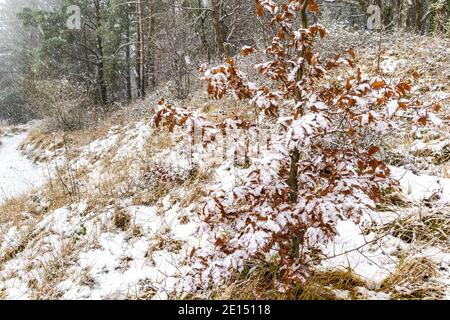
[103, 226]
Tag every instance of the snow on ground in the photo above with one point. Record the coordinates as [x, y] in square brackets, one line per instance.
[389, 65]
[87, 255]
[77, 252]
[17, 174]
[120, 266]
[368, 257]
[418, 188]
[441, 257]
[373, 256]
[103, 262]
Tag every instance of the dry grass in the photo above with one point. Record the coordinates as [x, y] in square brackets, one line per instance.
[160, 141]
[43, 145]
[10, 130]
[39, 142]
[52, 272]
[129, 178]
[122, 220]
[28, 210]
[226, 108]
[12, 253]
[430, 226]
[154, 190]
[19, 211]
[69, 186]
[195, 186]
[6, 130]
[164, 242]
[146, 291]
[12, 209]
[437, 158]
[392, 199]
[446, 171]
[260, 283]
[442, 157]
[431, 58]
[414, 279]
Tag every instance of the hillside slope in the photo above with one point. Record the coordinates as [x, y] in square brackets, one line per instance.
[119, 214]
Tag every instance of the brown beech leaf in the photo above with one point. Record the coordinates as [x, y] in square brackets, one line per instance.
[351, 52]
[220, 242]
[313, 6]
[260, 9]
[247, 50]
[378, 84]
[422, 121]
[404, 87]
[157, 120]
[373, 164]
[183, 121]
[308, 55]
[192, 253]
[348, 85]
[351, 63]
[322, 33]
[373, 150]
[436, 107]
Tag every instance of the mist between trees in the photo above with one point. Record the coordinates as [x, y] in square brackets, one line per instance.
[123, 49]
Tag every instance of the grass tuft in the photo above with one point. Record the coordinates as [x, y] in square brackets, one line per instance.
[414, 279]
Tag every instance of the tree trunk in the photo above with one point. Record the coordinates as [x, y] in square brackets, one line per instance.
[218, 27]
[141, 48]
[295, 156]
[128, 57]
[151, 75]
[101, 62]
[138, 64]
[203, 38]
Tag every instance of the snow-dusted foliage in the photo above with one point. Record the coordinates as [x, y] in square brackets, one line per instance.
[323, 164]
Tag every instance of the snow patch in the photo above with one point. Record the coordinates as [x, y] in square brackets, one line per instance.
[18, 175]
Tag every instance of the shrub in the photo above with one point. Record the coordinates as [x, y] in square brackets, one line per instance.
[323, 164]
[62, 105]
[14, 107]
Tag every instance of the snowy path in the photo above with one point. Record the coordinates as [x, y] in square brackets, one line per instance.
[17, 174]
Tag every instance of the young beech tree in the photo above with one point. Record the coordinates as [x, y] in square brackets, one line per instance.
[323, 165]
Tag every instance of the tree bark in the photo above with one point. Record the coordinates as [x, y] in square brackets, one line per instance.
[138, 63]
[218, 27]
[151, 75]
[128, 57]
[203, 38]
[101, 62]
[295, 156]
[141, 48]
